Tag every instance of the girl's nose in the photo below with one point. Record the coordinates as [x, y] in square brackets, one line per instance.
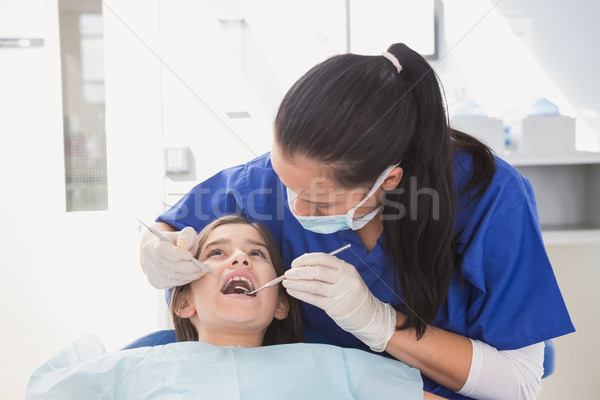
[240, 260]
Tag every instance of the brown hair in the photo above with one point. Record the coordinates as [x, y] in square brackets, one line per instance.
[288, 330]
[358, 115]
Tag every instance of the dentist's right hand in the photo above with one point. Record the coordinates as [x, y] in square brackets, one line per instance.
[167, 264]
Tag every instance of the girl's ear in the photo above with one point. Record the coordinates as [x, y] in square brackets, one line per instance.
[282, 308]
[184, 308]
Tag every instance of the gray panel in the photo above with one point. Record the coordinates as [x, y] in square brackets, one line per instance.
[593, 195]
[560, 192]
[21, 42]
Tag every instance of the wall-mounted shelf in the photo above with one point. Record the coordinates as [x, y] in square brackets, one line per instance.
[580, 157]
[583, 235]
[567, 190]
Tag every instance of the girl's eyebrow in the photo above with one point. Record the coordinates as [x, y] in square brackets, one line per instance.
[255, 243]
[217, 242]
[223, 241]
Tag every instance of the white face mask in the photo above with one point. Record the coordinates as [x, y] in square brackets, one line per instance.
[333, 223]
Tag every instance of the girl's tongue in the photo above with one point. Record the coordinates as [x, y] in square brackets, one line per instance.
[237, 285]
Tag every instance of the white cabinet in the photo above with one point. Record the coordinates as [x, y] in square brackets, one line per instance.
[567, 190]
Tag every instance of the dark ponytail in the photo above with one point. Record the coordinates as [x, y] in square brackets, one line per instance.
[360, 115]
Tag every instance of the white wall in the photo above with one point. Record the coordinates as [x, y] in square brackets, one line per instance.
[67, 274]
[504, 73]
[563, 41]
[201, 80]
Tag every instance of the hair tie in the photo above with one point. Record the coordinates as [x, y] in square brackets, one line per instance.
[393, 59]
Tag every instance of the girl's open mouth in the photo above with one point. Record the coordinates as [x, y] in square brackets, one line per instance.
[238, 284]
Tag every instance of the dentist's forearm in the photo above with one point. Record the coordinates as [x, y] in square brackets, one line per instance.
[442, 356]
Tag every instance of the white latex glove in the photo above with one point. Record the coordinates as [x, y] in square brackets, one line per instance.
[167, 264]
[335, 286]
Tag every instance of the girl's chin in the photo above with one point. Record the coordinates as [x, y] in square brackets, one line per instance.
[241, 315]
[237, 325]
[241, 310]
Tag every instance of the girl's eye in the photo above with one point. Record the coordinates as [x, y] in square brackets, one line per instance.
[257, 253]
[215, 252]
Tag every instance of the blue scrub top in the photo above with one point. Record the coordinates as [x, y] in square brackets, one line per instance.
[505, 295]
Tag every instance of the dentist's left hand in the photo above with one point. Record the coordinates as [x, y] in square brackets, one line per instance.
[335, 286]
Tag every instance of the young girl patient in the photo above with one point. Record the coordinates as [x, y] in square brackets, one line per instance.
[229, 345]
[245, 256]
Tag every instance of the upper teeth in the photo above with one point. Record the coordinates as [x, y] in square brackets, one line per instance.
[241, 278]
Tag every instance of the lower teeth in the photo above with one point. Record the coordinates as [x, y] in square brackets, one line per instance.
[237, 288]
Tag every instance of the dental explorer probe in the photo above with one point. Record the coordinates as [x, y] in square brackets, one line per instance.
[282, 277]
[193, 259]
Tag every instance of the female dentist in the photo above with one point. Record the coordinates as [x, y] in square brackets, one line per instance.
[448, 271]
